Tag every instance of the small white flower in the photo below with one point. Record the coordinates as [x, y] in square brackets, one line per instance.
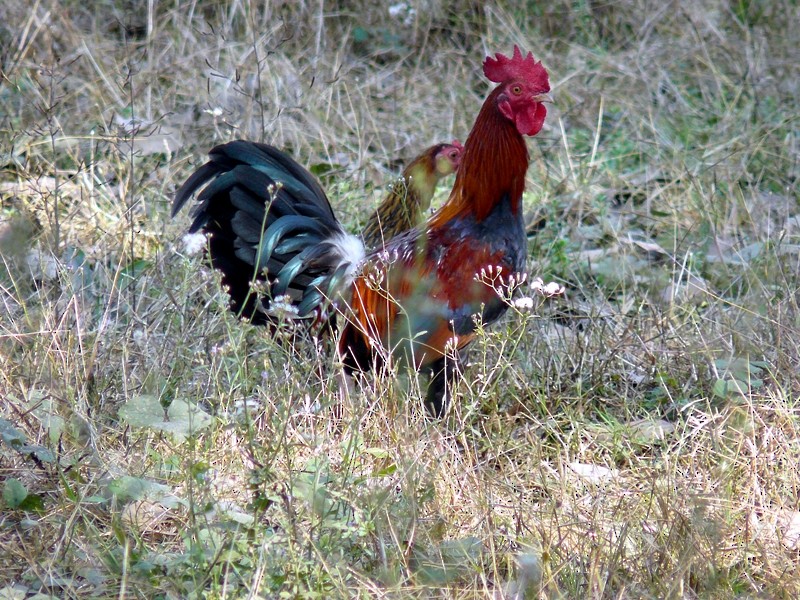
[404, 11]
[548, 290]
[396, 10]
[452, 343]
[524, 303]
[281, 306]
[517, 279]
[554, 289]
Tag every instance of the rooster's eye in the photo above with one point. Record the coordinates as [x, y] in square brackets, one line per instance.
[516, 90]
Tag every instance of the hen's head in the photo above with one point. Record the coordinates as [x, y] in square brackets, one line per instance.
[524, 86]
[447, 157]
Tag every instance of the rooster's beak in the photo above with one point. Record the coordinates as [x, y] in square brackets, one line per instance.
[543, 98]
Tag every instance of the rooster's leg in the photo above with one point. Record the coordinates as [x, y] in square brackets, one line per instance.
[444, 374]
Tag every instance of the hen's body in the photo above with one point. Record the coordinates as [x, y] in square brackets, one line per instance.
[410, 196]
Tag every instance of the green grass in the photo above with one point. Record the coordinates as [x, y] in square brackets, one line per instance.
[638, 438]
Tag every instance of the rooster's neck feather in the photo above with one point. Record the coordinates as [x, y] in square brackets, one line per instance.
[492, 167]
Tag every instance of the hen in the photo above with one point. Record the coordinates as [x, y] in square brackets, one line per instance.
[419, 299]
[411, 194]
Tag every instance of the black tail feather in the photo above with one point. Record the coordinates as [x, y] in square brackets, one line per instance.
[268, 221]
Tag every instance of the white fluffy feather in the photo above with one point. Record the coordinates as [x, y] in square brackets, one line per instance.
[352, 251]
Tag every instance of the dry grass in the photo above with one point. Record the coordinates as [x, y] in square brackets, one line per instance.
[637, 439]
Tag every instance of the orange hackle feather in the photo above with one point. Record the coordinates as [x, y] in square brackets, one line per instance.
[494, 163]
[494, 155]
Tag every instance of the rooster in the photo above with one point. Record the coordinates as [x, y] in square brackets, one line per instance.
[417, 300]
[411, 194]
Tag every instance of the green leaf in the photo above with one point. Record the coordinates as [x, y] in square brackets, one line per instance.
[94, 499]
[135, 488]
[14, 493]
[727, 388]
[133, 271]
[32, 502]
[17, 440]
[77, 264]
[189, 417]
[452, 560]
[11, 435]
[386, 471]
[239, 517]
[310, 488]
[377, 452]
[55, 425]
[181, 419]
[464, 551]
[720, 389]
[142, 411]
[322, 169]
[740, 368]
[16, 496]
[40, 452]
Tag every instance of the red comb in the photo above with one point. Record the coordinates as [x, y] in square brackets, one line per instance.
[456, 144]
[502, 69]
